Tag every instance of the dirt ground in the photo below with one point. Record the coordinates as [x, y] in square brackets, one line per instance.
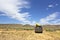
[29, 35]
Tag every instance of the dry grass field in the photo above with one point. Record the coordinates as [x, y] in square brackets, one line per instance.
[28, 34]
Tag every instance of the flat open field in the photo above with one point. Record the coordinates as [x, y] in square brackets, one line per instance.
[29, 35]
[26, 32]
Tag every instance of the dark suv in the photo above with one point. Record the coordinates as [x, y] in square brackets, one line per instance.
[38, 29]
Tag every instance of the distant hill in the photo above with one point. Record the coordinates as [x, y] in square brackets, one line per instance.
[28, 27]
[16, 26]
[51, 27]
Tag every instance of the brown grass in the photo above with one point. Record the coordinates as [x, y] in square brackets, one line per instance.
[20, 32]
[29, 35]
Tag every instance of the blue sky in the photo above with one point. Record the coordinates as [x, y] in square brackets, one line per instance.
[29, 11]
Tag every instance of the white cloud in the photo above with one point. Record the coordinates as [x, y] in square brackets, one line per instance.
[51, 19]
[31, 23]
[50, 5]
[56, 4]
[12, 9]
[2, 14]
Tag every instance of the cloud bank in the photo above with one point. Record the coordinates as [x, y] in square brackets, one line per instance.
[12, 9]
[52, 19]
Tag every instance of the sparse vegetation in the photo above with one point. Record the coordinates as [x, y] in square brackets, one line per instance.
[51, 28]
[7, 27]
[26, 32]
